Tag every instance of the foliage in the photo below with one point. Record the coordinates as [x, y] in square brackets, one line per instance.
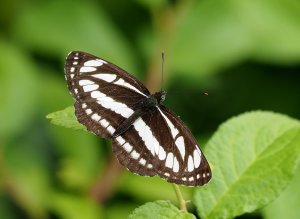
[245, 54]
[66, 118]
[261, 159]
[159, 210]
[262, 156]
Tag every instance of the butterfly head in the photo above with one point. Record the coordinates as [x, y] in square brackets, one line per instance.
[160, 96]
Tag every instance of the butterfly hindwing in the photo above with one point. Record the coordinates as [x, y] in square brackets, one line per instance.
[163, 139]
[189, 166]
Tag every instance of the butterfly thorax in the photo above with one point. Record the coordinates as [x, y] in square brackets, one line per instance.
[160, 96]
[140, 109]
[154, 100]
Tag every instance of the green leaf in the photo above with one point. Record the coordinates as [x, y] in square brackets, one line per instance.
[159, 210]
[254, 156]
[287, 204]
[65, 118]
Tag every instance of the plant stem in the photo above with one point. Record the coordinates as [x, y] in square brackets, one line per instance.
[182, 202]
[106, 182]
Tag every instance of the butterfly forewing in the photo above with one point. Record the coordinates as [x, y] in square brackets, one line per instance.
[105, 94]
[156, 142]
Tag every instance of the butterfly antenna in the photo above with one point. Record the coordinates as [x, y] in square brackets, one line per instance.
[162, 68]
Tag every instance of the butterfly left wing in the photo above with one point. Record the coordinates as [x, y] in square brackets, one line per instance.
[105, 94]
[162, 138]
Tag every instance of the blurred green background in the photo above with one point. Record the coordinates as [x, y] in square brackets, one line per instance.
[245, 54]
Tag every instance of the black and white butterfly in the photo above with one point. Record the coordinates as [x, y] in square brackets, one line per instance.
[147, 138]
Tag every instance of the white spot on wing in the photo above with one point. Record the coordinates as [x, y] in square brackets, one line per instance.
[88, 111]
[180, 145]
[149, 139]
[142, 161]
[94, 63]
[191, 178]
[85, 82]
[105, 77]
[83, 106]
[135, 155]
[127, 147]
[174, 130]
[197, 157]
[87, 69]
[169, 160]
[95, 117]
[90, 87]
[161, 153]
[120, 140]
[175, 165]
[110, 129]
[190, 164]
[122, 83]
[167, 174]
[119, 108]
[97, 94]
[72, 69]
[104, 123]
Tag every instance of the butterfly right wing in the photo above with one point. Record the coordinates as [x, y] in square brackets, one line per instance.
[158, 143]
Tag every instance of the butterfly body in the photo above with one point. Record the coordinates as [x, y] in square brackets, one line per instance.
[142, 108]
[147, 138]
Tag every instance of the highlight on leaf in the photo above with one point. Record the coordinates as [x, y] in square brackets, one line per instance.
[65, 118]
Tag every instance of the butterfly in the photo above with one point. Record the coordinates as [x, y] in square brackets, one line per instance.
[147, 137]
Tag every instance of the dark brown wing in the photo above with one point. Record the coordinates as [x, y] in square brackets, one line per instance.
[162, 138]
[157, 143]
[105, 94]
[181, 145]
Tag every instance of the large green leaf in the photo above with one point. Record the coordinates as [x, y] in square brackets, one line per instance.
[287, 205]
[159, 210]
[254, 155]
